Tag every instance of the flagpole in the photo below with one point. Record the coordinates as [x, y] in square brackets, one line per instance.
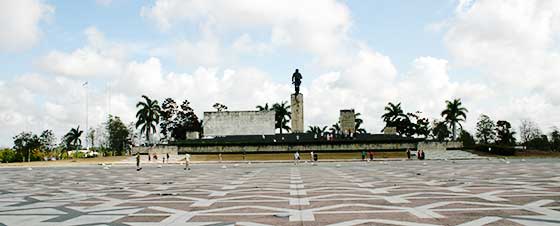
[87, 116]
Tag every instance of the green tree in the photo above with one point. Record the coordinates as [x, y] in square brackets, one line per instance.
[555, 139]
[335, 129]
[485, 129]
[358, 124]
[263, 107]
[393, 114]
[168, 112]
[454, 114]
[440, 131]
[505, 135]
[282, 116]
[91, 137]
[147, 116]
[118, 135]
[24, 144]
[72, 138]
[466, 138]
[7, 155]
[185, 121]
[528, 130]
[47, 140]
[317, 130]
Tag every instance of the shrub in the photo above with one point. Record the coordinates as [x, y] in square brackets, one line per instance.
[495, 149]
[7, 155]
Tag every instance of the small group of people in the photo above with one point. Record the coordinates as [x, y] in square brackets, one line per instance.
[313, 157]
[187, 160]
[369, 154]
[419, 154]
[155, 157]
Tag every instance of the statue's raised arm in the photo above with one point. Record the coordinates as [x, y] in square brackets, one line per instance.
[296, 80]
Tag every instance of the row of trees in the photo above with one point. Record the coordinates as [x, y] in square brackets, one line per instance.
[113, 135]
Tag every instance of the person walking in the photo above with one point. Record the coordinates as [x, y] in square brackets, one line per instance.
[311, 156]
[138, 168]
[187, 161]
[363, 155]
[149, 157]
[167, 155]
[296, 157]
[220, 157]
[408, 153]
[370, 155]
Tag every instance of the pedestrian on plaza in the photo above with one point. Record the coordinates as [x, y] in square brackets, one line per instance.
[311, 155]
[244, 155]
[370, 155]
[167, 155]
[420, 154]
[149, 157]
[155, 157]
[163, 158]
[408, 153]
[296, 157]
[220, 157]
[187, 161]
[138, 168]
[363, 155]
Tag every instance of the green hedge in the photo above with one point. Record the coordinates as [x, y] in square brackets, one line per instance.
[495, 149]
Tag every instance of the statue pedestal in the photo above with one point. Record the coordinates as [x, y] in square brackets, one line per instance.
[297, 113]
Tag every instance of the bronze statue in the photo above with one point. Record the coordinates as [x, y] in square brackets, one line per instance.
[296, 80]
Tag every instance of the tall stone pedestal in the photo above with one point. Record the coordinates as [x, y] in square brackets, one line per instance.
[297, 113]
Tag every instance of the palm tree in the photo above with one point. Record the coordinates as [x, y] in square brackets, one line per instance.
[148, 116]
[73, 137]
[392, 114]
[454, 114]
[317, 130]
[358, 122]
[263, 108]
[335, 129]
[283, 116]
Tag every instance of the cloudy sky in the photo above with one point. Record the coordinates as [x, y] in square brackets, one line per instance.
[501, 57]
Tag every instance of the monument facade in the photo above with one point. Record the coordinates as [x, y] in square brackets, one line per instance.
[347, 121]
[227, 123]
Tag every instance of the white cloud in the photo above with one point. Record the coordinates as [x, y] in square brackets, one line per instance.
[97, 59]
[19, 23]
[319, 27]
[515, 46]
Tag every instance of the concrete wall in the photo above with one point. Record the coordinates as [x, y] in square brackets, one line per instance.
[277, 148]
[439, 146]
[238, 123]
[172, 150]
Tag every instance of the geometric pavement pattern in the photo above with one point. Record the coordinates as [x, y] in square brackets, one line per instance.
[414, 193]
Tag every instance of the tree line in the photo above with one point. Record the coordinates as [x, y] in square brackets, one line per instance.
[112, 137]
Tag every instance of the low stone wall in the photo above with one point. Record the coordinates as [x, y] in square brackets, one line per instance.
[159, 150]
[275, 148]
[439, 146]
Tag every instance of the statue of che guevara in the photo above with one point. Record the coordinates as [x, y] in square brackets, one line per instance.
[296, 80]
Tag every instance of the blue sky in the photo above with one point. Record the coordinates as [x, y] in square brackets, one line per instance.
[352, 54]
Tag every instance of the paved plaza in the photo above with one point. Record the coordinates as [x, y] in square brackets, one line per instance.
[416, 193]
